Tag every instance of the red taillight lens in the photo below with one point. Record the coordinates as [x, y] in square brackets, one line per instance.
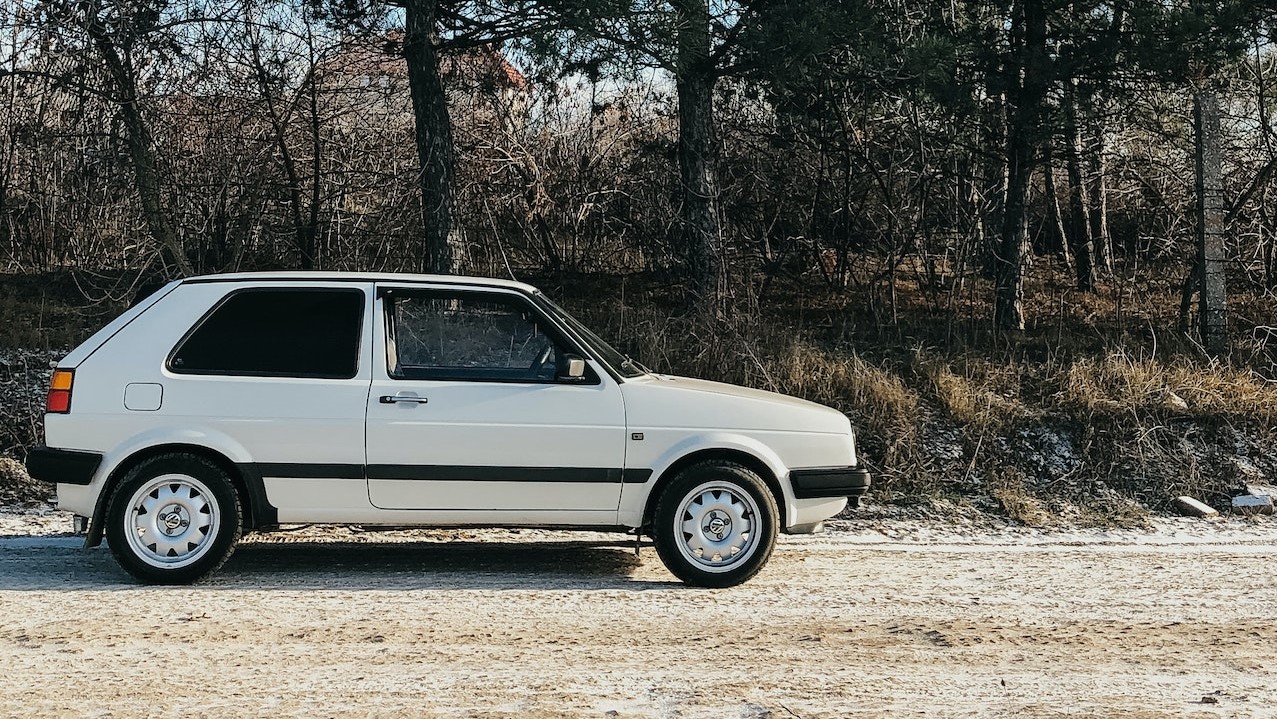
[59, 400]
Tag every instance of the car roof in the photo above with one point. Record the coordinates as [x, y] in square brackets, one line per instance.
[304, 275]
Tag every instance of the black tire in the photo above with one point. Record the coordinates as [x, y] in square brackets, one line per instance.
[199, 492]
[726, 490]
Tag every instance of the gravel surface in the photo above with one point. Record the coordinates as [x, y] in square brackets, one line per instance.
[870, 619]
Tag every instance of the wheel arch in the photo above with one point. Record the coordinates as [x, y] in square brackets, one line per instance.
[257, 511]
[733, 455]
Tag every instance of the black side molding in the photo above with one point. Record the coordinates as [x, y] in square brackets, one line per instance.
[431, 472]
[636, 476]
[62, 466]
[821, 482]
[297, 470]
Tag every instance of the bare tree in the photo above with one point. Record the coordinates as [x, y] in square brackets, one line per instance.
[1212, 291]
[1028, 75]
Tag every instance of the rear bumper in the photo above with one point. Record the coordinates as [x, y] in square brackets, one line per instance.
[62, 466]
[821, 482]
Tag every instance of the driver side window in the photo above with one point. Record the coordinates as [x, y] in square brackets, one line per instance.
[456, 336]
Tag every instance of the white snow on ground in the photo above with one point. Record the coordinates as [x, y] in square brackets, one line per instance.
[1164, 531]
[872, 619]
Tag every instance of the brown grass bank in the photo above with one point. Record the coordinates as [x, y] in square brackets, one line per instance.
[1081, 419]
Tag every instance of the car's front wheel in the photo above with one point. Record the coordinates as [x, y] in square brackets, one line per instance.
[173, 519]
[715, 524]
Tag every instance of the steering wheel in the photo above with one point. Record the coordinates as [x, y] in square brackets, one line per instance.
[542, 358]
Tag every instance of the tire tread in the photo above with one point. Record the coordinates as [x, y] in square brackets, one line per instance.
[195, 466]
[672, 496]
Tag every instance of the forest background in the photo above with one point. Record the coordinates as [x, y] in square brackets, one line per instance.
[1029, 246]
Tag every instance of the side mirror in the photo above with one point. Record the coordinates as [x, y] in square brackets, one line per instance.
[571, 367]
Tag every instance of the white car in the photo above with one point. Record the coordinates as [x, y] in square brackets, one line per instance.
[232, 403]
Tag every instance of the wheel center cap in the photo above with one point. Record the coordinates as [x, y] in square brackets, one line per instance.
[718, 525]
[173, 520]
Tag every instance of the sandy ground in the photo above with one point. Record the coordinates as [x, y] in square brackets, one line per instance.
[889, 619]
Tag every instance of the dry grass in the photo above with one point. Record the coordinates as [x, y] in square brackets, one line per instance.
[1007, 488]
[847, 381]
[980, 393]
[888, 413]
[1110, 509]
[1121, 384]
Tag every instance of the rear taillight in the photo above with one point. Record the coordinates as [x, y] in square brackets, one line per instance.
[59, 401]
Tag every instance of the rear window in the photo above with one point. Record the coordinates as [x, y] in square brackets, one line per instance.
[277, 333]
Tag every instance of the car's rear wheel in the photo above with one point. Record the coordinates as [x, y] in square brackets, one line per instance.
[715, 524]
[173, 519]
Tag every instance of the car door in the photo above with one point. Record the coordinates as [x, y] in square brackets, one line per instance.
[469, 414]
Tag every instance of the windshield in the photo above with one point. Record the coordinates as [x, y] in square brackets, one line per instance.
[607, 354]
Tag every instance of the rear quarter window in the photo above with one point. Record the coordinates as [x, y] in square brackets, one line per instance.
[273, 332]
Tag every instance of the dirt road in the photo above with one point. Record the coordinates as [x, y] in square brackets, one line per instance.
[337, 623]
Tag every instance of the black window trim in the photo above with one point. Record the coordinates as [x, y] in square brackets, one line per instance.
[557, 335]
[547, 307]
[363, 311]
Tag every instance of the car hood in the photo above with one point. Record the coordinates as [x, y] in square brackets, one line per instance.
[667, 401]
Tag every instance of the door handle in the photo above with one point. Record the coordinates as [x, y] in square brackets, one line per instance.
[394, 398]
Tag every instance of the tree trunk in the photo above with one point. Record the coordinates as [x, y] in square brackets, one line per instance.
[698, 154]
[1268, 240]
[1078, 225]
[1059, 236]
[991, 185]
[1022, 138]
[1212, 292]
[1008, 311]
[146, 174]
[1270, 260]
[1097, 190]
[308, 238]
[1099, 212]
[433, 133]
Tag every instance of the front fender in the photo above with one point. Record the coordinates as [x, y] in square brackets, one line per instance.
[634, 497]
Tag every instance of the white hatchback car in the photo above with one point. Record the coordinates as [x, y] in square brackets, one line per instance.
[232, 403]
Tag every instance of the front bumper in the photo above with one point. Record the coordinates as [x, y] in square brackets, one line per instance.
[820, 482]
[62, 466]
